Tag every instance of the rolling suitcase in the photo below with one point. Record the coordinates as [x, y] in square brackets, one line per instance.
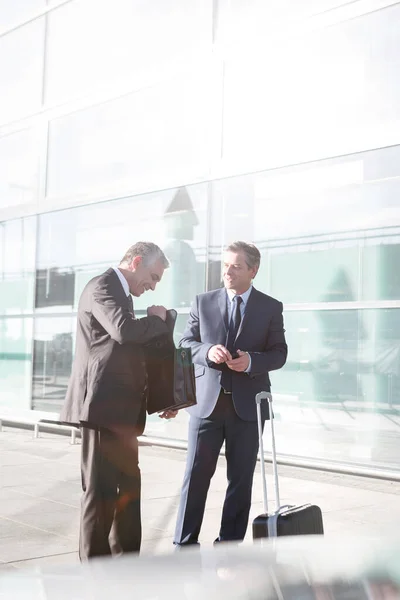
[286, 520]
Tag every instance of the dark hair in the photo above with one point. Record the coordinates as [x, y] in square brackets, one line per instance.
[251, 253]
[150, 253]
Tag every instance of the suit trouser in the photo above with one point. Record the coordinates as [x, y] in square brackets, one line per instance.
[111, 495]
[206, 437]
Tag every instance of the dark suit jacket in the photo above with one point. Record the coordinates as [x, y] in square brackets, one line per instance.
[108, 373]
[261, 334]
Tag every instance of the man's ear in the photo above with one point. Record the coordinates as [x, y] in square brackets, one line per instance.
[255, 271]
[136, 261]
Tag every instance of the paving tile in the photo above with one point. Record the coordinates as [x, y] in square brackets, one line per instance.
[6, 567]
[66, 558]
[63, 522]
[12, 458]
[154, 490]
[13, 503]
[26, 543]
[63, 492]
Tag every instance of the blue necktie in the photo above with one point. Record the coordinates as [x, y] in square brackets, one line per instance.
[234, 324]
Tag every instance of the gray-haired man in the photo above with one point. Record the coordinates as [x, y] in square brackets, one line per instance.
[105, 397]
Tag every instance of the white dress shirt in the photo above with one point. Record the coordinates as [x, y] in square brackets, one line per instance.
[245, 296]
[123, 281]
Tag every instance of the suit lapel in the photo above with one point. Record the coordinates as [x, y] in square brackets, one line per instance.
[120, 290]
[222, 303]
[251, 302]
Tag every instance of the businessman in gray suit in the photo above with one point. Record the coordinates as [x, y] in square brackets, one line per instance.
[106, 398]
[236, 336]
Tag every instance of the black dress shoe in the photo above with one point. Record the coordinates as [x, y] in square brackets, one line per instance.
[219, 541]
[186, 545]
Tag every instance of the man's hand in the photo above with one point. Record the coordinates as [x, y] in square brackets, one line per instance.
[157, 311]
[168, 414]
[239, 364]
[219, 354]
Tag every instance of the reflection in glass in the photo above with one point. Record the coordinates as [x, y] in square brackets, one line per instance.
[17, 265]
[52, 362]
[180, 222]
[327, 231]
[15, 362]
[55, 277]
[77, 244]
[341, 384]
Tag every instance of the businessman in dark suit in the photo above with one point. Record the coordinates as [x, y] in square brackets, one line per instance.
[236, 336]
[106, 398]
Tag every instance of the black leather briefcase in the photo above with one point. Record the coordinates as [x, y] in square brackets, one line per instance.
[170, 373]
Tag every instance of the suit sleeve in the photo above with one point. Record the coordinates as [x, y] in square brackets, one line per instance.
[191, 337]
[120, 323]
[275, 353]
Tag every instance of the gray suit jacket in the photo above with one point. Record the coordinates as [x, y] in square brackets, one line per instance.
[261, 334]
[108, 376]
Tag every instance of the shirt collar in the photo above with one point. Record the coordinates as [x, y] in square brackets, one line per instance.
[244, 296]
[123, 281]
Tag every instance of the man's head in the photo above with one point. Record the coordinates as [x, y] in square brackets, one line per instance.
[143, 266]
[240, 266]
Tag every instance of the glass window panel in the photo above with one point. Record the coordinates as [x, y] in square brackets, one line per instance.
[17, 11]
[56, 260]
[239, 21]
[17, 265]
[314, 273]
[339, 391]
[157, 134]
[19, 169]
[327, 231]
[52, 361]
[316, 95]
[15, 363]
[21, 67]
[77, 244]
[131, 43]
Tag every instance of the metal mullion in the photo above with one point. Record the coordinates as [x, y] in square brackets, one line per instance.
[38, 15]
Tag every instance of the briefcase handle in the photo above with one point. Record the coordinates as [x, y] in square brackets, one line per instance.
[259, 398]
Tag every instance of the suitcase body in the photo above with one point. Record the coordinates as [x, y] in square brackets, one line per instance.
[292, 520]
[305, 519]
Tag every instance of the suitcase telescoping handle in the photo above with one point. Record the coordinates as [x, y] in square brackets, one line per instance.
[259, 398]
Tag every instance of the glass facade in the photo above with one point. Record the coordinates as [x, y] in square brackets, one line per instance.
[153, 125]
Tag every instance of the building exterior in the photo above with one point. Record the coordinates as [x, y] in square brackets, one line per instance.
[193, 123]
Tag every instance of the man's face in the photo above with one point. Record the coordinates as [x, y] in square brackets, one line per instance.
[236, 273]
[143, 277]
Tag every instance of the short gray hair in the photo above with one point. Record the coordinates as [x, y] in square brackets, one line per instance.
[150, 253]
[250, 251]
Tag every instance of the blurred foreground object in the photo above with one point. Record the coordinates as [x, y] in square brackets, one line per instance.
[282, 569]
